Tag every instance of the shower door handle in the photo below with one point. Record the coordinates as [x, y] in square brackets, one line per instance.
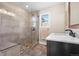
[33, 29]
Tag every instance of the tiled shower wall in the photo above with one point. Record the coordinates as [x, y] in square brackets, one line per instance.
[14, 29]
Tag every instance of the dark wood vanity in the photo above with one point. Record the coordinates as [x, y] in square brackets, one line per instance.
[55, 48]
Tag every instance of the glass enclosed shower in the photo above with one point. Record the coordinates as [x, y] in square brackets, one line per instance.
[16, 26]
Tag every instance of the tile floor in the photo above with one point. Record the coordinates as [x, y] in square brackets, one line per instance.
[18, 50]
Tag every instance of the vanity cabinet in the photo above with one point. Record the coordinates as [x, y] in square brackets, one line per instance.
[55, 48]
[74, 49]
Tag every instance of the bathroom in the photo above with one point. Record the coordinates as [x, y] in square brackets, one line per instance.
[29, 28]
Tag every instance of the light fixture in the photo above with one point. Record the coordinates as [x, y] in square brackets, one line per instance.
[27, 6]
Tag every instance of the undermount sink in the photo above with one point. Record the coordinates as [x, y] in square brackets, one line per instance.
[62, 37]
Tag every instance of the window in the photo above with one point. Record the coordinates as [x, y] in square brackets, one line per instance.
[44, 20]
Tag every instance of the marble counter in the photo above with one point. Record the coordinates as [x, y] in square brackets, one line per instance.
[62, 37]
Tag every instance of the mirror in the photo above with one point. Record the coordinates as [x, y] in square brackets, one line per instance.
[73, 15]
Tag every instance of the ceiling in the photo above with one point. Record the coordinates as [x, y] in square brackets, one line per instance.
[35, 6]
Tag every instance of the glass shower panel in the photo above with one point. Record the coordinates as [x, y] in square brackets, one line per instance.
[14, 26]
[35, 29]
[17, 26]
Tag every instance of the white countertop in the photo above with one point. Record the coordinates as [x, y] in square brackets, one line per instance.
[62, 37]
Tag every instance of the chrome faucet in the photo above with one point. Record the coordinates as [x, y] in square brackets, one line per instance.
[71, 32]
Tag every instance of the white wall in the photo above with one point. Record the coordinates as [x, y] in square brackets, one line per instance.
[56, 17]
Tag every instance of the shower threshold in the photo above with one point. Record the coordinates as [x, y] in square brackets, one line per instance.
[7, 46]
